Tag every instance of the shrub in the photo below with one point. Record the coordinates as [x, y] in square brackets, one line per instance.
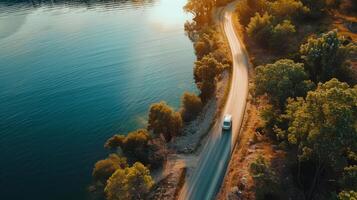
[191, 106]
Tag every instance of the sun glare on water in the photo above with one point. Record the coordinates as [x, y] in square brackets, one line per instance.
[169, 14]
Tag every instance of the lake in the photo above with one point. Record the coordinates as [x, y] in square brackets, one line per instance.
[72, 74]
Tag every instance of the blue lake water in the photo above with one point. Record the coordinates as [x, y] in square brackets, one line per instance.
[71, 75]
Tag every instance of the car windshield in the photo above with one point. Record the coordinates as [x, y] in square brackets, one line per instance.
[226, 123]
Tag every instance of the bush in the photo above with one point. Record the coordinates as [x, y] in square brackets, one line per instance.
[164, 120]
[103, 169]
[191, 106]
[129, 183]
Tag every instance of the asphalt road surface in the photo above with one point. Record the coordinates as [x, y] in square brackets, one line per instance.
[207, 178]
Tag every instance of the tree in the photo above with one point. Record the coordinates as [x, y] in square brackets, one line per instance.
[103, 169]
[287, 9]
[323, 126]
[205, 73]
[139, 146]
[281, 32]
[191, 106]
[246, 9]
[260, 27]
[164, 120]
[135, 139]
[281, 80]
[316, 7]
[129, 183]
[201, 10]
[349, 177]
[347, 195]
[325, 57]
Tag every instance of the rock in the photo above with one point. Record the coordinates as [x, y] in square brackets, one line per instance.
[235, 193]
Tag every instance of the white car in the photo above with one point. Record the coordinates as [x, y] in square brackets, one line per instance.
[227, 122]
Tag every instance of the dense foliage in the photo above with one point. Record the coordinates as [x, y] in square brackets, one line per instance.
[139, 146]
[130, 183]
[322, 126]
[205, 73]
[281, 80]
[325, 57]
[164, 120]
[103, 169]
[191, 106]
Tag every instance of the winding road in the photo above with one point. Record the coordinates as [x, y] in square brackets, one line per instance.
[207, 177]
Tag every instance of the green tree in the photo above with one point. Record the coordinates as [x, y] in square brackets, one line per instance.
[246, 9]
[205, 73]
[139, 146]
[323, 126]
[325, 57]
[129, 183]
[281, 32]
[260, 27]
[164, 120]
[349, 177]
[281, 80]
[103, 169]
[287, 9]
[347, 195]
[316, 7]
[191, 106]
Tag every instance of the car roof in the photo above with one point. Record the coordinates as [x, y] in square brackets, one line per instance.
[228, 118]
